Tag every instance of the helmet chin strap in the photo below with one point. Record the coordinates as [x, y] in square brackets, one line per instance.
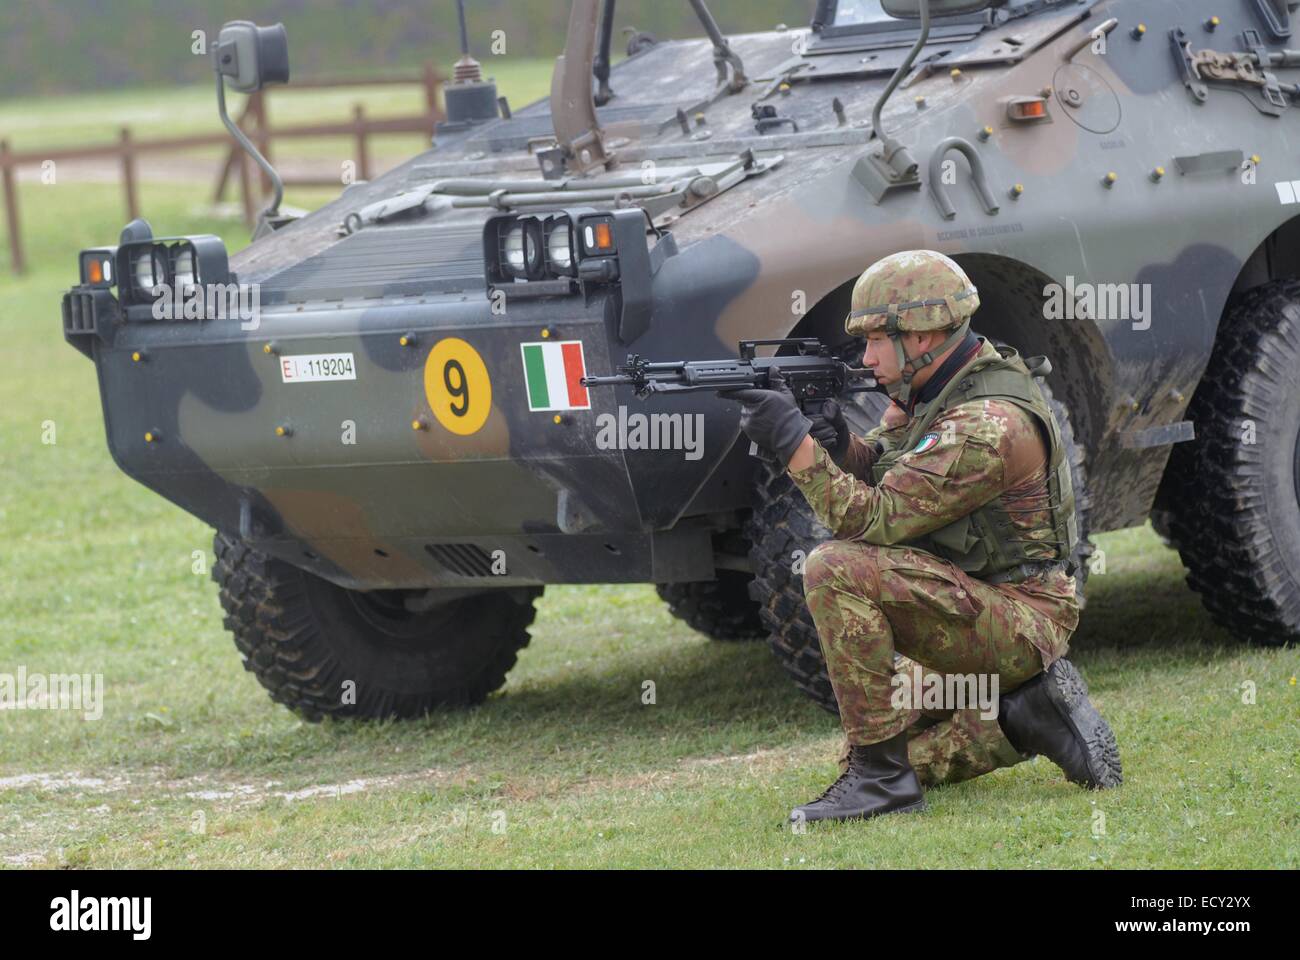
[908, 366]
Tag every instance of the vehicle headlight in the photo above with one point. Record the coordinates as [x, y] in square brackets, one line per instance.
[559, 245]
[183, 268]
[512, 250]
[524, 249]
[148, 270]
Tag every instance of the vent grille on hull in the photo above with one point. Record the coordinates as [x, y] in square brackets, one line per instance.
[463, 559]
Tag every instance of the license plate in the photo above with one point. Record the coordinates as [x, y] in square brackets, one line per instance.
[309, 367]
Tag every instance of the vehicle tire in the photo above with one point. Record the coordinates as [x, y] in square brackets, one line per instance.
[720, 609]
[782, 523]
[1085, 548]
[1233, 493]
[1161, 520]
[304, 638]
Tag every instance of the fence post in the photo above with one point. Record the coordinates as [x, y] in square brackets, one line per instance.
[431, 94]
[363, 162]
[128, 175]
[246, 188]
[11, 209]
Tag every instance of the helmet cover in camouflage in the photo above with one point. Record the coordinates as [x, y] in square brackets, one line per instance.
[940, 294]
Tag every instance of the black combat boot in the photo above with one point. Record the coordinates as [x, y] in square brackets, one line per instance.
[1052, 715]
[879, 780]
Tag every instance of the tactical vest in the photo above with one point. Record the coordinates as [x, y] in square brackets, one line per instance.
[981, 543]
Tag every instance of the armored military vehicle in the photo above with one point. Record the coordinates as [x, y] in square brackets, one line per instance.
[395, 447]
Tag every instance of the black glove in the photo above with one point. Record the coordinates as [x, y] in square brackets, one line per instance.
[831, 430]
[771, 417]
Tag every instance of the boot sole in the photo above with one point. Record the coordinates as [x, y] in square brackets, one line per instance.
[914, 807]
[1069, 694]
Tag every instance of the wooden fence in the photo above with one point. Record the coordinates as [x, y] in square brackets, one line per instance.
[253, 120]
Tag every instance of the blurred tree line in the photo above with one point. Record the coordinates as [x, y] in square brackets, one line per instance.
[49, 46]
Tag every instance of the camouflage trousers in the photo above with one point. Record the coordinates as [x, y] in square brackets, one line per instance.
[871, 604]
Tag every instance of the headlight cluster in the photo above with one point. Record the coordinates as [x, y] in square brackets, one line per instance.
[538, 248]
[529, 248]
[156, 264]
[578, 250]
[182, 264]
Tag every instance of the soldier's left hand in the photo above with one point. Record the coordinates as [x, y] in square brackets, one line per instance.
[772, 418]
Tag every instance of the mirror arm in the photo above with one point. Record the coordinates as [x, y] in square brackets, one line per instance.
[256, 154]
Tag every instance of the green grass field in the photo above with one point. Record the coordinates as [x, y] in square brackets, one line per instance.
[192, 765]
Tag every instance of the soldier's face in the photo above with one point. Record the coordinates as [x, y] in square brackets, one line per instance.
[881, 357]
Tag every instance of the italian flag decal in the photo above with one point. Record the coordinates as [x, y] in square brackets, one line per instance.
[552, 371]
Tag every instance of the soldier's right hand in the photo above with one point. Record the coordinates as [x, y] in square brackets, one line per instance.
[831, 430]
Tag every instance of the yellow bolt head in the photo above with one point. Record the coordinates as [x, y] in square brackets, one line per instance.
[1112, 176]
[545, 333]
[955, 72]
[405, 341]
[1214, 21]
[280, 431]
[1018, 188]
[1254, 158]
[148, 436]
[135, 356]
[1160, 171]
[417, 424]
[266, 348]
[1142, 28]
[558, 419]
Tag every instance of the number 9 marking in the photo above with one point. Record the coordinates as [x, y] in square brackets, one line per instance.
[457, 386]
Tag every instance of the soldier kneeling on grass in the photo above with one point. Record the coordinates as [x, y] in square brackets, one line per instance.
[954, 534]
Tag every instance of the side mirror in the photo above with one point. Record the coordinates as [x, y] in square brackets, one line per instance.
[911, 9]
[250, 57]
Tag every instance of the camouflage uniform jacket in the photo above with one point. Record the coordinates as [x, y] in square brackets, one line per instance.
[988, 448]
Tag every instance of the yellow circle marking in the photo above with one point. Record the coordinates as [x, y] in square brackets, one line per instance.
[457, 386]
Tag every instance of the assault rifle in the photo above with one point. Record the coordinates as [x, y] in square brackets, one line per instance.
[813, 375]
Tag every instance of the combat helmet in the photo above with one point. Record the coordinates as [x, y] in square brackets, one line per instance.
[913, 290]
